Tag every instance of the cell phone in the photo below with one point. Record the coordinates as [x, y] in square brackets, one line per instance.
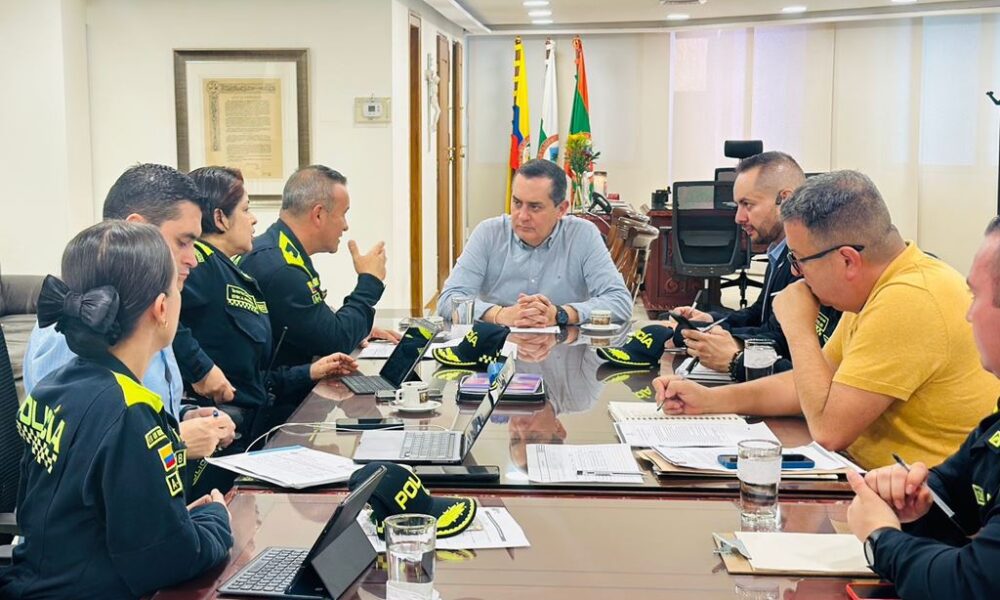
[788, 461]
[365, 424]
[682, 321]
[881, 591]
[457, 474]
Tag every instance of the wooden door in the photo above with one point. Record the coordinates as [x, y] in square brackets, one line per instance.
[444, 259]
[416, 179]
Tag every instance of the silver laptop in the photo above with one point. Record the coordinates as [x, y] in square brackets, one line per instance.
[434, 447]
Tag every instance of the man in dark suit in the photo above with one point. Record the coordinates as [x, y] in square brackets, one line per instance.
[762, 182]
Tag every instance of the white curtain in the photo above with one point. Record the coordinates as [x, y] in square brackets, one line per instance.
[901, 100]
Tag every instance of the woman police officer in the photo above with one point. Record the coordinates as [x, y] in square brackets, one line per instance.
[101, 501]
[225, 315]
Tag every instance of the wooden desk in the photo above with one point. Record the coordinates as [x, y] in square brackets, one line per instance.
[581, 549]
[579, 388]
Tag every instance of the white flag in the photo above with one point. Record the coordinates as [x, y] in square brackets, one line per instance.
[548, 131]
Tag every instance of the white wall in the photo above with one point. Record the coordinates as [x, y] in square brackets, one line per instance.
[45, 156]
[355, 49]
[628, 110]
[915, 119]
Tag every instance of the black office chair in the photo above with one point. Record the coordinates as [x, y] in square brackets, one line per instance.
[705, 240]
[11, 450]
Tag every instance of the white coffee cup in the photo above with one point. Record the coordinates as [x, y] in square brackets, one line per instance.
[411, 394]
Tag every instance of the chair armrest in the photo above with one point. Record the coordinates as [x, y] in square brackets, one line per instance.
[8, 524]
[20, 293]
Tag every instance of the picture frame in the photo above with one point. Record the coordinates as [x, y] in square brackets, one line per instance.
[247, 109]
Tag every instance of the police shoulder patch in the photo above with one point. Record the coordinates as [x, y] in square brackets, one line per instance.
[154, 436]
[167, 457]
[174, 484]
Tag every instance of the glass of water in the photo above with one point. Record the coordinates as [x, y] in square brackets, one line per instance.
[409, 540]
[759, 356]
[758, 467]
[462, 309]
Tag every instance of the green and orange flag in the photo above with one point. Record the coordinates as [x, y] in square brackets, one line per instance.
[520, 135]
[579, 121]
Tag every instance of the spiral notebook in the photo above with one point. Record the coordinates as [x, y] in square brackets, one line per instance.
[646, 411]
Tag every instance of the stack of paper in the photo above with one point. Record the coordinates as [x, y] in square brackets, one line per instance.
[293, 467]
[646, 411]
[798, 554]
[705, 432]
[493, 527]
[604, 463]
[699, 372]
[705, 461]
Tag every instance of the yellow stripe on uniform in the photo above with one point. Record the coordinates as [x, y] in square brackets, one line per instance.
[136, 394]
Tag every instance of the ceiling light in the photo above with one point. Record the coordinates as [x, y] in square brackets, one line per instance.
[903, 1]
[794, 9]
[535, 2]
[678, 17]
[539, 13]
[541, 21]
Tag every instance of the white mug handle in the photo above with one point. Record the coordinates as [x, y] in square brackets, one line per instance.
[398, 396]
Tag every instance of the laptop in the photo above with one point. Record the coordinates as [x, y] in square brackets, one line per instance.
[339, 556]
[398, 367]
[434, 447]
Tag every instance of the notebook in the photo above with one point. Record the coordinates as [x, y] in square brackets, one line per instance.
[646, 411]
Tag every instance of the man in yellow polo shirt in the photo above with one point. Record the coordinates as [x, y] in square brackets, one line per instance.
[900, 373]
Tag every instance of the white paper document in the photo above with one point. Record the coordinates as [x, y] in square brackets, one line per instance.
[551, 329]
[700, 372]
[830, 553]
[293, 467]
[382, 350]
[646, 411]
[707, 459]
[605, 463]
[493, 527]
[683, 433]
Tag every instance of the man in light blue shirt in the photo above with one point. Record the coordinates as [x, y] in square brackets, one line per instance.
[168, 199]
[537, 267]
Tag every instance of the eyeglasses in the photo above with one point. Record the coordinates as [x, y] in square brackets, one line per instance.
[797, 262]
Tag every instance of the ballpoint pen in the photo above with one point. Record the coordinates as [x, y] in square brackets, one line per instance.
[937, 499]
[711, 325]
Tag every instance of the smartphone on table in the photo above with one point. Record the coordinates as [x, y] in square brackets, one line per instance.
[788, 461]
[879, 591]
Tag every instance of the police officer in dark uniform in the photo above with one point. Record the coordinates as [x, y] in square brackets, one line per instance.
[225, 315]
[313, 217]
[908, 538]
[101, 503]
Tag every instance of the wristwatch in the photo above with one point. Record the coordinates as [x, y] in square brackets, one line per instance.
[871, 541]
[562, 317]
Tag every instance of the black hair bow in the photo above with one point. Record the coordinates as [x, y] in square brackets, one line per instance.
[96, 308]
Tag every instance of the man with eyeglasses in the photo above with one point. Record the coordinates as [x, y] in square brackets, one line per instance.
[762, 183]
[900, 373]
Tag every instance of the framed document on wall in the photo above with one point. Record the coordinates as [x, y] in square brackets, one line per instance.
[247, 109]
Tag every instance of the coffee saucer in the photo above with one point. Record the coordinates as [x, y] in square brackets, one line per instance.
[595, 327]
[420, 408]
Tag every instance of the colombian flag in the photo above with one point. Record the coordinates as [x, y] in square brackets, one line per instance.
[520, 134]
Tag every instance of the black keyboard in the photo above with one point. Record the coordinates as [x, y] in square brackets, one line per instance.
[271, 572]
[428, 445]
[367, 384]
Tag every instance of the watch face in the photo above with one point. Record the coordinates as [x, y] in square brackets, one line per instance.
[870, 552]
[562, 317]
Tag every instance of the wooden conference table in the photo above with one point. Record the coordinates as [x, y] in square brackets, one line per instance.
[579, 387]
[581, 548]
[587, 540]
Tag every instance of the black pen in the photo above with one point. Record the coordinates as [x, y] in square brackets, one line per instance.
[937, 499]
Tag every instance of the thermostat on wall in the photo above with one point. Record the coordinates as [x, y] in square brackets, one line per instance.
[371, 110]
